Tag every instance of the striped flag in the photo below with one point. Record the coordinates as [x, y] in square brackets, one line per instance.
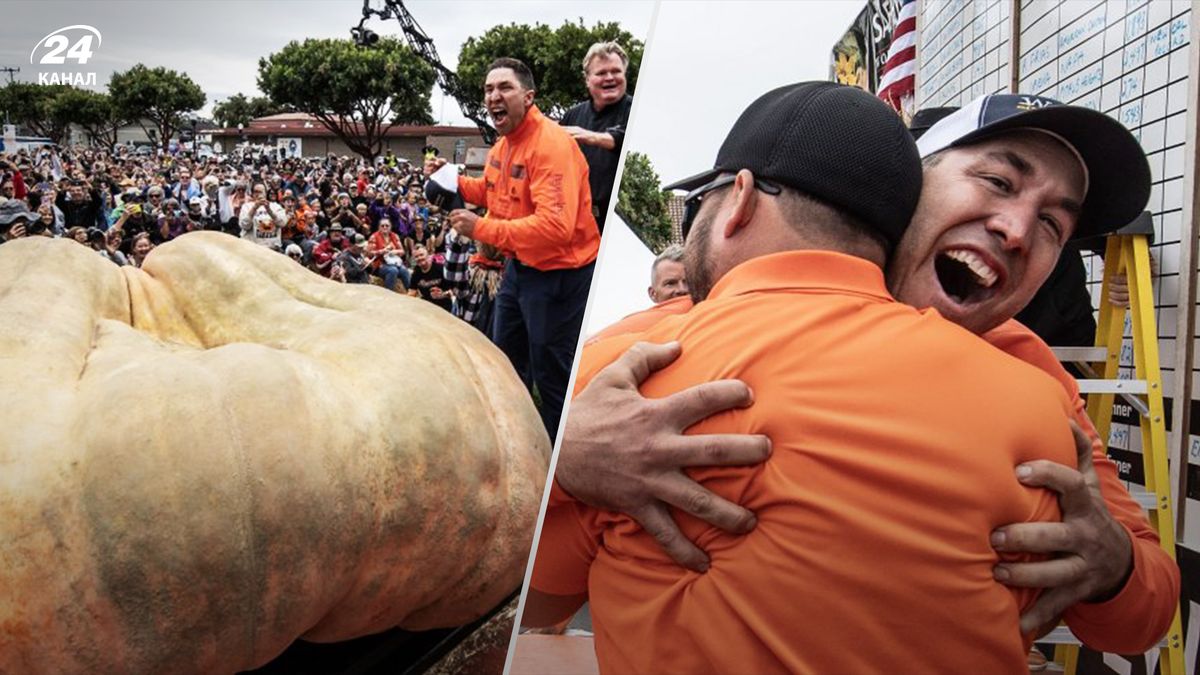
[899, 71]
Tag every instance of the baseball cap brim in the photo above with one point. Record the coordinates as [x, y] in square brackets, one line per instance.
[1118, 173]
[925, 118]
[692, 182]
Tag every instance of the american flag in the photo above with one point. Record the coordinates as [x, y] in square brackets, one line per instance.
[899, 71]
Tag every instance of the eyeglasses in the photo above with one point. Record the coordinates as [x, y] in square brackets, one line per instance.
[693, 200]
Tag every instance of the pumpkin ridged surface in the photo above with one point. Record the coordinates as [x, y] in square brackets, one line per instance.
[211, 456]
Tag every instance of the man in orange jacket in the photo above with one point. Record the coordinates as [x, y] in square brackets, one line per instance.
[535, 187]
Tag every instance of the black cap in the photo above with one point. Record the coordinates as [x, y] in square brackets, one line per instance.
[927, 117]
[833, 142]
[442, 198]
[1118, 175]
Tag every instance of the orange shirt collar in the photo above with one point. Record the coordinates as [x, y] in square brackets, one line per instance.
[533, 117]
[793, 270]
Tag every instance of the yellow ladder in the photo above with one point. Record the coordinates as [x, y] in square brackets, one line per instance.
[1128, 252]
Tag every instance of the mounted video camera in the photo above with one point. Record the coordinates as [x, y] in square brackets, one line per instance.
[363, 36]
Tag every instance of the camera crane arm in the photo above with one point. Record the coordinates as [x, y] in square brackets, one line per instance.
[422, 44]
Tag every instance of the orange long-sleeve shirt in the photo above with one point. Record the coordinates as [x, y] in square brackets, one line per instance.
[535, 187]
[1136, 618]
[891, 467]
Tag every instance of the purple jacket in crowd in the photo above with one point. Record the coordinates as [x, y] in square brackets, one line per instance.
[400, 225]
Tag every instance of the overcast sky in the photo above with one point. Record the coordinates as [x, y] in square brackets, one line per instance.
[218, 43]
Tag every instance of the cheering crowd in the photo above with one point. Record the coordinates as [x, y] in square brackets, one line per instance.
[517, 266]
[342, 218]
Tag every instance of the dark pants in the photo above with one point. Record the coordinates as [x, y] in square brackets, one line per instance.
[538, 316]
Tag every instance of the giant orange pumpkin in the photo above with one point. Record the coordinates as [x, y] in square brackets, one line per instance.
[207, 458]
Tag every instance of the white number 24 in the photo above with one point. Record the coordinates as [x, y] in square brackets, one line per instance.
[81, 51]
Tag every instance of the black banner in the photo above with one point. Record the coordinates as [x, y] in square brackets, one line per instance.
[859, 57]
[1129, 465]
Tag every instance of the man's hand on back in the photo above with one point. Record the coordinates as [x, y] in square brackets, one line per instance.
[623, 452]
[1093, 556]
[586, 137]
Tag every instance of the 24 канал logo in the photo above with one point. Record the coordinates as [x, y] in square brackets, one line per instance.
[70, 43]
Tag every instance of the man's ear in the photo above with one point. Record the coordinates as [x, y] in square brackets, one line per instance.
[529, 94]
[744, 199]
[650, 292]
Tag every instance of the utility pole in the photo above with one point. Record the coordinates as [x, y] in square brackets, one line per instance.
[11, 73]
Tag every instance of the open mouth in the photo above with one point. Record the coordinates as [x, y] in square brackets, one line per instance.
[965, 276]
[499, 115]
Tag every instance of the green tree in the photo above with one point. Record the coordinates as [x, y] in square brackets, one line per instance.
[555, 55]
[92, 111]
[642, 203]
[32, 106]
[157, 95]
[358, 93]
[238, 109]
